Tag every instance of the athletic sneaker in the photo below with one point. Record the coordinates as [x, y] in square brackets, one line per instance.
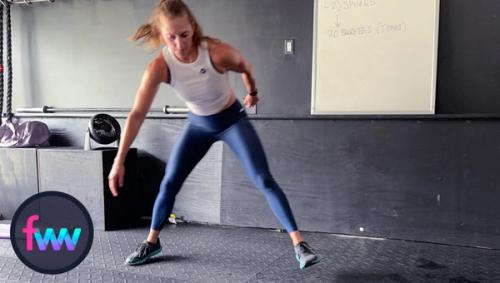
[143, 252]
[305, 255]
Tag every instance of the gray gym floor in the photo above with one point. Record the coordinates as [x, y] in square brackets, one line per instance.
[200, 253]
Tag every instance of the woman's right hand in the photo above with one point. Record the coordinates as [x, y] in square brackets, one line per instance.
[155, 74]
[116, 178]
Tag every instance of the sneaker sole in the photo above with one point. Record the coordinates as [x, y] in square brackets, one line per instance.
[146, 259]
[307, 264]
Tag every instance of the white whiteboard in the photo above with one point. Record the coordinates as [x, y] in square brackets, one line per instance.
[375, 56]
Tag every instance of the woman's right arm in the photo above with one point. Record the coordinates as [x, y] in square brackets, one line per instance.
[155, 74]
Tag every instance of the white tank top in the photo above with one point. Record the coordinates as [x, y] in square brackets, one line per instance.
[204, 90]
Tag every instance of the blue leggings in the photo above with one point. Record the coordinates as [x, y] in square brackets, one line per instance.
[231, 126]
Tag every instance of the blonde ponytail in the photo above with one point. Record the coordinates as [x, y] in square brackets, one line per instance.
[148, 35]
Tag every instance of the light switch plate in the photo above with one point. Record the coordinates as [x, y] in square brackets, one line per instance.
[289, 46]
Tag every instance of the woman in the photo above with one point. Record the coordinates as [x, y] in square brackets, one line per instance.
[197, 68]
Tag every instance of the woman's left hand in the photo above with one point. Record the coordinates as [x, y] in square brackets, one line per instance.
[250, 101]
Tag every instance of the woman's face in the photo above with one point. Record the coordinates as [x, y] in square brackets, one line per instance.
[178, 34]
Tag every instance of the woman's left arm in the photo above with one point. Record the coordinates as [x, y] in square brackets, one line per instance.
[230, 59]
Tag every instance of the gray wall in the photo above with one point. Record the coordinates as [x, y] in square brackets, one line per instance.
[469, 56]
[76, 54]
[81, 58]
[418, 178]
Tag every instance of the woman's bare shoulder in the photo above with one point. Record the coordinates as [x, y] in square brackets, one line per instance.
[224, 56]
[158, 69]
[218, 46]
